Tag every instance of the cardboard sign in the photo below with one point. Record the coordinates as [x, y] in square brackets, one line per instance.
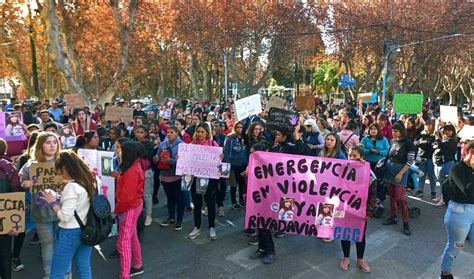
[12, 212]
[282, 120]
[167, 108]
[275, 102]
[118, 114]
[74, 100]
[449, 114]
[248, 106]
[44, 176]
[199, 160]
[305, 103]
[311, 196]
[101, 162]
[11, 126]
[408, 103]
[368, 98]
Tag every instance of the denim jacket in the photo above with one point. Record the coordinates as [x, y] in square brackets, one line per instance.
[235, 151]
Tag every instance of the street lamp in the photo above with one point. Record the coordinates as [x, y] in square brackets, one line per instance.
[398, 48]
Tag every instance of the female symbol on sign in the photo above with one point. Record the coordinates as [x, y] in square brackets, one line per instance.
[15, 218]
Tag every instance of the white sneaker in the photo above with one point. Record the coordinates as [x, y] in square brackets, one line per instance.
[195, 232]
[148, 221]
[212, 234]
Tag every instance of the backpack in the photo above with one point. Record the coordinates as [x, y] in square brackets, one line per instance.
[99, 221]
[343, 145]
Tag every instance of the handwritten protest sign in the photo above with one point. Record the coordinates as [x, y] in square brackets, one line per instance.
[167, 108]
[408, 103]
[118, 114]
[11, 126]
[101, 162]
[305, 103]
[74, 100]
[367, 98]
[275, 102]
[248, 106]
[199, 160]
[449, 114]
[12, 212]
[282, 120]
[307, 196]
[44, 176]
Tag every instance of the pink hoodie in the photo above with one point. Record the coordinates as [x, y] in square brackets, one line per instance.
[348, 140]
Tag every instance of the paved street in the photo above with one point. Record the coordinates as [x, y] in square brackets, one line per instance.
[390, 254]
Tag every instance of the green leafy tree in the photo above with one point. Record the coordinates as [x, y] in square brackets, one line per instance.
[325, 78]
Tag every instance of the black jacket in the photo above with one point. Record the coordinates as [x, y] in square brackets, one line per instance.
[444, 150]
[424, 145]
[463, 176]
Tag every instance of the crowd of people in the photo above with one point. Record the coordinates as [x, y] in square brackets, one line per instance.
[402, 150]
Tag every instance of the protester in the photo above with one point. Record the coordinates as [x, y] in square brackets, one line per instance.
[83, 123]
[46, 150]
[375, 145]
[74, 204]
[312, 137]
[332, 147]
[424, 144]
[129, 204]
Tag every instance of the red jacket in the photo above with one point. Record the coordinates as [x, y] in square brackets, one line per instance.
[130, 187]
[387, 132]
[78, 130]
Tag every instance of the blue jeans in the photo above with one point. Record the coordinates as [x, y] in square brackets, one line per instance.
[46, 233]
[459, 222]
[414, 178]
[69, 246]
[427, 167]
[442, 171]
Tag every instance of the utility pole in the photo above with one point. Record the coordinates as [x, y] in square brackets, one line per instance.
[225, 77]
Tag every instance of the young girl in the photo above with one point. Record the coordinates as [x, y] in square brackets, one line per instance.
[356, 153]
[286, 209]
[129, 204]
[75, 198]
[325, 217]
[68, 139]
[46, 150]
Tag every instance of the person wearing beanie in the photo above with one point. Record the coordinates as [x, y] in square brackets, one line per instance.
[312, 137]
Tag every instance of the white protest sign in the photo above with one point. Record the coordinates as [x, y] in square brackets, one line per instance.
[199, 160]
[466, 133]
[248, 106]
[449, 114]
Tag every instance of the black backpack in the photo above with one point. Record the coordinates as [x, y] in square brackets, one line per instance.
[99, 221]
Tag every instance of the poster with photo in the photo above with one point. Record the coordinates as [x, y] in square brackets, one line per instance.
[68, 137]
[325, 215]
[167, 108]
[286, 210]
[11, 126]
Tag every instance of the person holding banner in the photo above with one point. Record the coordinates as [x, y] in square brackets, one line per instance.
[83, 123]
[235, 153]
[46, 150]
[203, 136]
[356, 153]
[75, 199]
[166, 159]
[128, 207]
[332, 147]
[9, 182]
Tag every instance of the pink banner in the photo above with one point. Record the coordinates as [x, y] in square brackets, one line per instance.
[305, 195]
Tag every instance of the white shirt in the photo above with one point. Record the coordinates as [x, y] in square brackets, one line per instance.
[73, 198]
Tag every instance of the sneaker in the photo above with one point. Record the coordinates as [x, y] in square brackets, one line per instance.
[409, 191]
[178, 226]
[35, 240]
[148, 221]
[446, 276]
[136, 271]
[419, 194]
[205, 212]
[440, 204]
[436, 200]
[257, 254]
[363, 266]
[406, 229]
[212, 234]
[252, 233]
[155, 200]
[220, 211]
[390, 221]
[253, 241]
[114, 255]
[327, 240]
[433, 195]
[279, 234]
[344, 264]
[17, 265]
[167, 223]
[236, 206]
[268, 259]
[194, 233]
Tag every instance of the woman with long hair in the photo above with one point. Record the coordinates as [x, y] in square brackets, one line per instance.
[235, 153]
[46, 150]
[129, 204]
[332, 147]
[385, 127]
[367, 120]
[83, 123]
[75, 198]
[254, 134]
[400, 157]
[88, 140]
[424, 144]
[203, 136]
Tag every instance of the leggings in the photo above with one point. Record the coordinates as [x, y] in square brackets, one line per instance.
[241, 184]
[360, 246]
[398, 196]
[221, 190]
[156, 182]
[210, 198]
[128, 244]
[5, 257]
